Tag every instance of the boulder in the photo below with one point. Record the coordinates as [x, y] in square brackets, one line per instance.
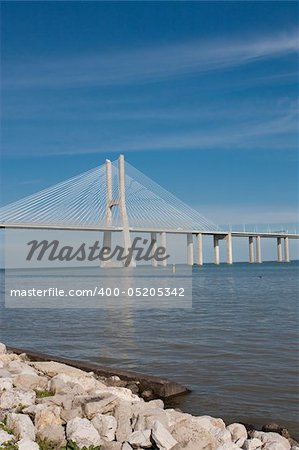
[19, 367]
[69, 414]
[174, 417]
[2, 348]
[4, 373]
[162, 437]
[272, 441]
[190, 436]
[126, 446]
[53, 368]
[222, 436]
[111, 446]
[47, 416]
[63, 400]
[5, 437]
[21, 425]
[82, 432]
[54, 434]
[209, 422]
[228, 446]
[140, 439]
[14, 398]
[27, 444]
[101, 404]
[238, 433]
[120, 392]
[105, 425]
[123, 415]
[30, 381]
[86, 382]
[252, 444]
[6, 384]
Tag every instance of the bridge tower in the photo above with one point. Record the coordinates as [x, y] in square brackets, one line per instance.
[120, 202]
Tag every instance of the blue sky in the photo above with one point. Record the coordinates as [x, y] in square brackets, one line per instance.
[201, 96]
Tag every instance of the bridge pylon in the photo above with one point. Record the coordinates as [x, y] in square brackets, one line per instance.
[120, 201]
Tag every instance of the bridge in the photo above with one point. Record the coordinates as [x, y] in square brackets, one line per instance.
[117, 198]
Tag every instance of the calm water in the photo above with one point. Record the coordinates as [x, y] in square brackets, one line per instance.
[236, 349]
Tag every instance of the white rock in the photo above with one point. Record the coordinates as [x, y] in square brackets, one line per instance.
[26, 444]
[126, 446]
[30, 381]
[222, 436]
[252, 444]
[238, 433]
[5, 437]
[82, 432]
[111, 446]
[208, 422]
[2, 348]
[162, 437]
[102, 404]
[6, 384]
[19, 367]
[140, 439]
[14, 398]
[105, 426]
[53, 434]
[155, 404]
[123, 414]
[271, 439]
[191, 436]
[21, 425]
[47, 416]
[87, 382]
[120, 392]
[174, 417]
[228, 446]
[52, 368]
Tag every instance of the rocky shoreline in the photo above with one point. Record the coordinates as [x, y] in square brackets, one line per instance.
[49, 405]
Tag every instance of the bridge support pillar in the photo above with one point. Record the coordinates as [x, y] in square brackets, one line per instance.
[286, 250]
[154, 248]
[163, 244]
[216, 250]
[279, 250]
[122, 206]
[251, 250]
[258, 249]
[107, 238]
[199, 249]
[229, 249]
[190, 249]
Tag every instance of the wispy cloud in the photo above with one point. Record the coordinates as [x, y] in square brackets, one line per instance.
[274, 134]
[146, 64]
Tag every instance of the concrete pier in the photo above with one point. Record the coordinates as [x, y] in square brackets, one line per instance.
[216, 250]
[251, 250]
[279, 250]
[286, 250]
[258, 249]
[229, 249]
[199, 249]
[154, 240]
[163, 244]
[190, 249]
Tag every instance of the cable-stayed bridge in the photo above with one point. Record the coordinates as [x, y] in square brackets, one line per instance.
[116, 197]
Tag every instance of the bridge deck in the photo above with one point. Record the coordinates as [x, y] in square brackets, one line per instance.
[220, 233]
